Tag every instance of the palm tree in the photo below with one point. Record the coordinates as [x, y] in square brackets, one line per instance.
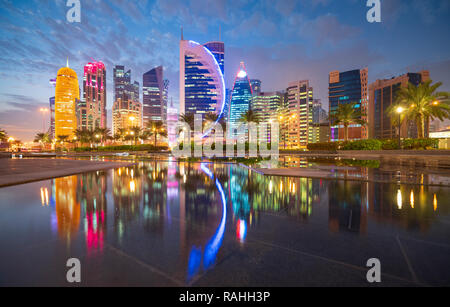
[42, 138]
[249, 117]
[346, 115]
[85, 136]
[211, 118]
[121, 132]
[135, 133]
[422, 103]
[104, 133]
[155, 129]
[189, 119]
[3, 136]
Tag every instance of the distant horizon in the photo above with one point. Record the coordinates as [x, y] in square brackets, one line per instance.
[279, 42]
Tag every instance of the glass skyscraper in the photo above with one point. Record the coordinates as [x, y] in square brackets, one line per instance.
[256, 86]
[123, 88]
[348, 87]
[240, 96]
[202, 86]
[154, 95]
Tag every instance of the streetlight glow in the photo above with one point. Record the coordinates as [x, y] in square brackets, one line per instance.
[400, 110]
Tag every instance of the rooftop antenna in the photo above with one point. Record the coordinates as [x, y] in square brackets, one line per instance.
[220, 30]
[182, 36]
[67, 64]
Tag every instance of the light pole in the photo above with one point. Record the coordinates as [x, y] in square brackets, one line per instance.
[43, 111]
[399, 112]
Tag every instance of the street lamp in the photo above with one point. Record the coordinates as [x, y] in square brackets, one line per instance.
[399, 112]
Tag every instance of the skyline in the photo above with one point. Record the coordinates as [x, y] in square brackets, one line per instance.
[298, 40]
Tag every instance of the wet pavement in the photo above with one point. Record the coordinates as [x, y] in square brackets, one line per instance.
[163, 223]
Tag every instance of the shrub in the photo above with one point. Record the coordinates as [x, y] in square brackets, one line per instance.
[420, 143]
[389, 144]
[329, 146]
[142, 147]
[370, 144]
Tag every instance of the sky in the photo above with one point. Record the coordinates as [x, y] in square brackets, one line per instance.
[279, 41]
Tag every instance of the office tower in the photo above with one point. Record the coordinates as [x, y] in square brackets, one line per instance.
[165, 100]
[202, 86]
[299, 114]
[91, 110]
[320, 132]
[226, 112]
[256, 86]
[126, 115]
[123, 88]
[67, 93]
[348, 87]
[319, 114]
[51, 100]
[154, 95]
[382, 94]
[241, 95]
[266, 105]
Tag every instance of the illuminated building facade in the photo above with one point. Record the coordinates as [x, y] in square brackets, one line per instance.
[91, 110]
[172, 119]
[298, 115]
[256, 86]
[67, 93]
[154, 95]
[320, 132]
[266, 106]
[319, 114]
[240, 96]
[382, 94]
[202, 85]
[349, 87]
[123, 87]
[126, 114]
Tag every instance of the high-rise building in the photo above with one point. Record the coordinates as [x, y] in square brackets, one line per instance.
[226, 112]
[126, 115]
[202, 85]
[123, 87]
[240, 96]
[256, 86]
[91, 110]
[298, 115]
[154, 95]
[267, 106]
[67, 93]
[382, 94]
[319, 114]
[51, 100]
[321, 132]
[348, 87]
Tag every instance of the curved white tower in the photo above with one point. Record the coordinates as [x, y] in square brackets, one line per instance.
[202, 85]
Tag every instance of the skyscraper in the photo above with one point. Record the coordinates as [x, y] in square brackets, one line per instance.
[202, 85]
[382, 94]
[154, 95]
[319, 114]
[67, 93]
[348, 87]
[240, 96]
[299, 114]
[91, 110]
[256, 86]
[266, 106]
[123, 88]
[51, 100]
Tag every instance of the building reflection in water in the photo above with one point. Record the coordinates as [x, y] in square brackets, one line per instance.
[67, 207]
[198, 200]
[92, 189]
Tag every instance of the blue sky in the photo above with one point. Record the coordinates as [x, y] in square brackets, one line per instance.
[280, 41]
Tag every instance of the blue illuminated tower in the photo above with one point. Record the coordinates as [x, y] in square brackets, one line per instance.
[240, 96]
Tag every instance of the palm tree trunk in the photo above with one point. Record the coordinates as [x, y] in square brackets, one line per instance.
[345, 133]
[420, 128]
[155, 140]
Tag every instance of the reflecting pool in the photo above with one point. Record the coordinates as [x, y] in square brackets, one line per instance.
[169, 223]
